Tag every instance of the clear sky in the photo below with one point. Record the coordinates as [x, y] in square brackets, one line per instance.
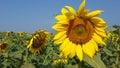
[32, 15]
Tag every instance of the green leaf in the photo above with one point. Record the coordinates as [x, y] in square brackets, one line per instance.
[108, 52]
[28, 66]
[113, 29]
[6, 63]
[71, 66]
[95, 62]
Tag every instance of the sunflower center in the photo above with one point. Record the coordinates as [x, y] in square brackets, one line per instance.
[3, 46]
[80, 30]
[39, 40]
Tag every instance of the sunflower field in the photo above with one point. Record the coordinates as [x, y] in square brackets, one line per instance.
[15, 54]
[82, 40]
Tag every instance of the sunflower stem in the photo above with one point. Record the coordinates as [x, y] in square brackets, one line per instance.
[79, 64]
[26, 57]
[117, 58]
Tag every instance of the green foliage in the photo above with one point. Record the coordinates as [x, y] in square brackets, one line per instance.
[111, 53]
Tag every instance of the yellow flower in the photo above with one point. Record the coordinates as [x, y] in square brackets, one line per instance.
[8, 33]
[3, 46]
[20, 33]
[60, 61]
[38, 41]
[79, 32]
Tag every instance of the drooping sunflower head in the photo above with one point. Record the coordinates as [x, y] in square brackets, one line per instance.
[3, 46]
[79, 32]
[38, 41]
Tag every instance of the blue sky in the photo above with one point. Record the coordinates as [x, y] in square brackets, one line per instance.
[32, 15]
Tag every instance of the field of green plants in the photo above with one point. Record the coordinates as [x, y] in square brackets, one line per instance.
[15, 54]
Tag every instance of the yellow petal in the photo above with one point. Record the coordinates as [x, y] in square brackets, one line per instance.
[58, 41]
[100, 31]
[70, 17]
[67, 14]
[89, 48]
[85, 12]
[71, 10]
[60, 17]
[62, 22]
[102, 24]
[94, 44]
[59, 27]
[63, 45]
[98, 39]
[94, 14]
[79, 52]
[64, 11]
[67, 50]
[30, 43]
[98, 22]
[72, 50]
[59, 35]
[81, 8]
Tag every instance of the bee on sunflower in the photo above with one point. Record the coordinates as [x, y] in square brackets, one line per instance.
[38, 41]
[79, 32]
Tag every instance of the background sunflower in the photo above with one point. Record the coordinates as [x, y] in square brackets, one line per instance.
[3, 46]
[38, 41]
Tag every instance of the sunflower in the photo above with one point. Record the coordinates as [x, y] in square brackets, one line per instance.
[79, 32]
[8, 33]
[20, 33]
[38, 41]
[3, 46]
